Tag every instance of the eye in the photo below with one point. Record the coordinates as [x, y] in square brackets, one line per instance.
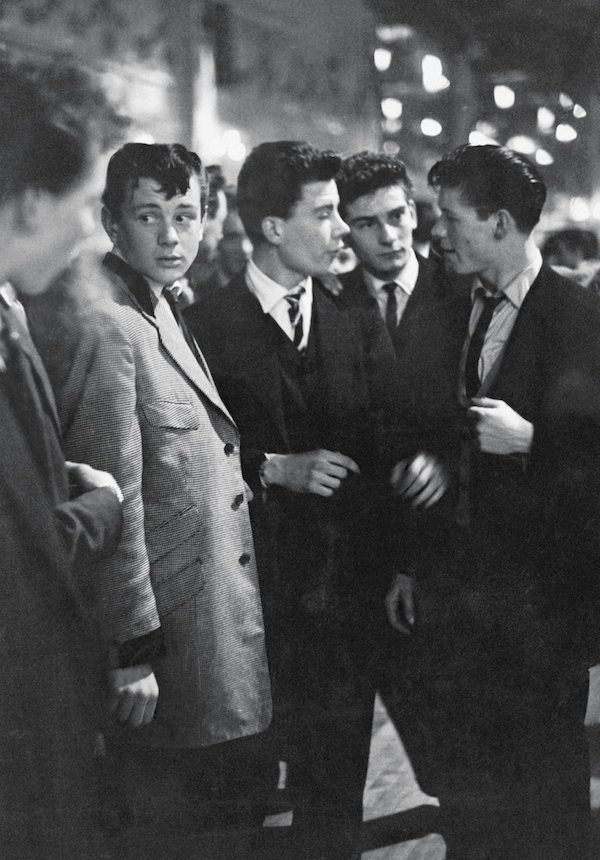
[146, 218]
[185, 217]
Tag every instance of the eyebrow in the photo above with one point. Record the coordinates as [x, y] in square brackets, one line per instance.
[156, 206]
[386, 215]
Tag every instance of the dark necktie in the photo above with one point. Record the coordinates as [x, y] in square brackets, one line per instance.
[295, 314]
[472, 381]
[391, 308]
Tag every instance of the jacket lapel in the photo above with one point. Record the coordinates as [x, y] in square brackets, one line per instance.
[173, 343]
[254, 337]
[334, 337]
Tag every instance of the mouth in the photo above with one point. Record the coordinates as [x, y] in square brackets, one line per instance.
[170, 260]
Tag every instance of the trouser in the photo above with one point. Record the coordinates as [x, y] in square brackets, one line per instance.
[501, 744]
[176, 803]
[323, 711]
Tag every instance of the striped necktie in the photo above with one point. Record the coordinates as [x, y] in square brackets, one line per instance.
[295, 314]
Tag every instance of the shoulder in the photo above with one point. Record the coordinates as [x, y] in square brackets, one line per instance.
[559, 297]
[219, 313]
[354, 286]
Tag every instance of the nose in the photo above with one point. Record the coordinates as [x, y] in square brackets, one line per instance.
[387, 234]
[340, 226]
[438, 231]
[168, 234]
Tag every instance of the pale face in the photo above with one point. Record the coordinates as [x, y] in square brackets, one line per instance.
[467, 242]
[159, 238]
[312, 235]
[57, 225]
[381, 226]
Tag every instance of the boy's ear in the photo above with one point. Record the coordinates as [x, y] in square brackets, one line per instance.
[109, 224]
[273, 227]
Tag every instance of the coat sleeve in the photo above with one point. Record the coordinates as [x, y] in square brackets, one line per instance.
[89, 526]
[97, 405]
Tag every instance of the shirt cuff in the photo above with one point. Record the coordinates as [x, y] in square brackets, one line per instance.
[142, 649]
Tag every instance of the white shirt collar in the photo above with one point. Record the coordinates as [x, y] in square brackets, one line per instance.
[406, 279]
[268, 292]
[516, 290]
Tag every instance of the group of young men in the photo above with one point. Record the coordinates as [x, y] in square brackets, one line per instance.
[214, 510]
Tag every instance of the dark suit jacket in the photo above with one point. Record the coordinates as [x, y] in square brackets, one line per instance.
[431, 286]
[534, 535]
[49, 663]
[315, 540]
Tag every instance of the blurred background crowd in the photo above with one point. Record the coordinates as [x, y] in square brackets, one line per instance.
[411, 79]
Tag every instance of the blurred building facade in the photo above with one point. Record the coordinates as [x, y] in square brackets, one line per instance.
[218, 76]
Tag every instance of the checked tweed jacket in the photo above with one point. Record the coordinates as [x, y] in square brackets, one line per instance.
[134, 401]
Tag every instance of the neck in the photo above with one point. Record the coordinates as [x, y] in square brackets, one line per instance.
[515, 257]
[269, 262]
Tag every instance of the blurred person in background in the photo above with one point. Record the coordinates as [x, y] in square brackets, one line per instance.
[56, 518]
[233, 252]
[574, 254]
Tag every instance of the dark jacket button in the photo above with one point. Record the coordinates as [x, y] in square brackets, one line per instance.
[244, 559]
[229, 448]
[237, 501]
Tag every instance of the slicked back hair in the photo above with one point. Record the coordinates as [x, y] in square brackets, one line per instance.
[54, 119]
[170, 165]
[491, 178]
[272, 177]
[367, 172]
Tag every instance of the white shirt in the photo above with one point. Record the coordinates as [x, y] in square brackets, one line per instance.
[405, 283]
[271, 296]
[505, 314]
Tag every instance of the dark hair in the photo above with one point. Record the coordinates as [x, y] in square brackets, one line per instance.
[491, 178]
[367, 172]
[574, 240]
[169, 164]
[272, 178]
[53, 119]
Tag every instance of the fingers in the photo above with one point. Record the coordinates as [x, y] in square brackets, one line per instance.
[429, 496]
[328, 472]
[335, 458]
[134, 707]
[485, 402]
[413, 476]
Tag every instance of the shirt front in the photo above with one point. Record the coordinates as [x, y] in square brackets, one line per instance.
[271, 296]
[405, 283]
[505, 314]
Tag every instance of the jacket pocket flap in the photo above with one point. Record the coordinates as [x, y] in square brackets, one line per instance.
[177, 577]
[178, 414]
[162, 539]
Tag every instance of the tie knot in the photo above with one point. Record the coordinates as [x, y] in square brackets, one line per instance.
[490, 299]
[293, 297]
[172, 292]
[390, 288]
